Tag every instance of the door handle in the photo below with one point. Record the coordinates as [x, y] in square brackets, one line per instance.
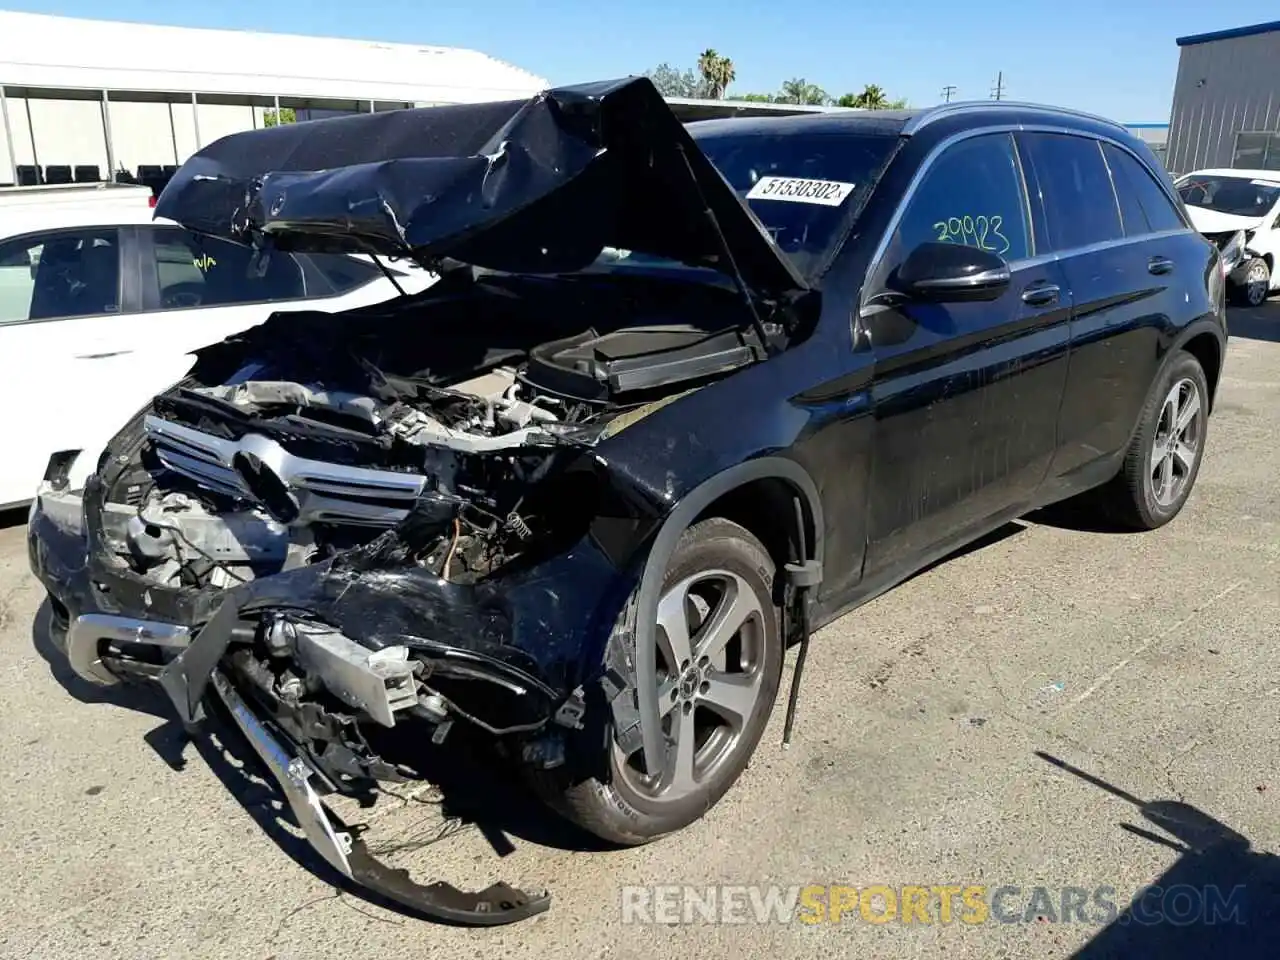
[1041, 294]
[102, 356]
[1159, 265]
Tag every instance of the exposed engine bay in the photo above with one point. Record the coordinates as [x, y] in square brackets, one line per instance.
[292, 457]
[332, 443]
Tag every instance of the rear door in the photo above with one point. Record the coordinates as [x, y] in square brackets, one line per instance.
[1122, 272]
[65, 297]
[966, 394]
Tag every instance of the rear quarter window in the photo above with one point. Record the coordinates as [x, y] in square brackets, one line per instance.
[1136, 187]
[343, 273]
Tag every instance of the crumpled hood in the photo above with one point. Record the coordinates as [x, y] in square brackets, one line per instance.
[1212, 221]
[538, 185]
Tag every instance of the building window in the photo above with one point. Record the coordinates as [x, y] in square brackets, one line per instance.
[1257, 151]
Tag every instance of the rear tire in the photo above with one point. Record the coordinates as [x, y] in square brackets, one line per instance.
[1163, 460]
[718, 695]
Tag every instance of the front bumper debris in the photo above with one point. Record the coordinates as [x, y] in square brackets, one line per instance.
[347, 853]
[189, 673]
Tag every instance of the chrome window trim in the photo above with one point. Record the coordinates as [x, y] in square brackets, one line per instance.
[882, 247]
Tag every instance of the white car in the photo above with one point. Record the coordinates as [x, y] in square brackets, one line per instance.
[1224, 202]
[101, 306]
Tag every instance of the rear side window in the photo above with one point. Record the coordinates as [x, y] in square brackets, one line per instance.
[67, 273]
[1136, 187]
[973, 195]
[1080, 203]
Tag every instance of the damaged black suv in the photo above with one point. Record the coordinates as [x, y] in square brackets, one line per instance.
[678, 397]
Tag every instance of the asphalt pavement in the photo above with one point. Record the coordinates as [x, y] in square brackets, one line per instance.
[933, 729]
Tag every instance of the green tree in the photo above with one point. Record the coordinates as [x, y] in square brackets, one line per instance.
[801, 91]
[672, 82]
[717, 73]
[287, 115]
[872, 98]
[755, 97]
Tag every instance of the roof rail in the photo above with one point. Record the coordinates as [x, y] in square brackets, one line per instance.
[926, 117]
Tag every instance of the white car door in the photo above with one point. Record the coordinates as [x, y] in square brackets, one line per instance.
[63, 297]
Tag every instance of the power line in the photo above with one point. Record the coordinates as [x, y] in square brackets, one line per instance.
[997, 92]
[947, 91]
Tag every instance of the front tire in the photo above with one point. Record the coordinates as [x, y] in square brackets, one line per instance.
[1164, 456]
[1252, 283]
[719, 666]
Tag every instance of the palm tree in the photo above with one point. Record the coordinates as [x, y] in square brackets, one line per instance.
[799, 90]
[717, 73]
[872, 98]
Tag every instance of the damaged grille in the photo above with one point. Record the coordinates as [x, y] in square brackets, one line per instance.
[293, 489]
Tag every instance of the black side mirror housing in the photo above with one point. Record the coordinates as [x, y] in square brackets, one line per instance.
[936, 272]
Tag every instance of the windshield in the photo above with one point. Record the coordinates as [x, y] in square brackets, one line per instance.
[1243, 196]
[802, 187]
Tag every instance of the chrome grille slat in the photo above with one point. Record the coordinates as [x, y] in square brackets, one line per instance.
[326, 492]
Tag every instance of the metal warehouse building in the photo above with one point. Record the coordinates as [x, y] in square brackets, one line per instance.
[80, 98]
[1226, 101]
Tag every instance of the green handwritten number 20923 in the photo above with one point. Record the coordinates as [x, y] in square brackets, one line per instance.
[981, 232]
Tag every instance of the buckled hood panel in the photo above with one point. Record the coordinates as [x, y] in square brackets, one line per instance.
[539, 185]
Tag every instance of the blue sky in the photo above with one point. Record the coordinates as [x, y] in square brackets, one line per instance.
[1108, 56]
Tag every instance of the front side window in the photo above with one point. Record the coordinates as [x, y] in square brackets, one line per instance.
[973, 195]
[1080, 204]
[51, 276]
[196, 271]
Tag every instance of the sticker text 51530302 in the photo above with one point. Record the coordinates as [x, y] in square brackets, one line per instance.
[827, 193]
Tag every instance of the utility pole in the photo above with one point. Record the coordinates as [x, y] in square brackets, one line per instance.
[997, 92]
[947, 91]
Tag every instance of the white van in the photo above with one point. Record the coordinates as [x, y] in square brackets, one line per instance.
[101, 305]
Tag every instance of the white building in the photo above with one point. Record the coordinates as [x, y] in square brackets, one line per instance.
[108, 95]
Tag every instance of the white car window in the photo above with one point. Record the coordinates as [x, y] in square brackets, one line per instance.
[194, 271]
[70, 273]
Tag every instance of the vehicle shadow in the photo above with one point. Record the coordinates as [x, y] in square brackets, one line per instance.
[1076, 514]
[1255, 323]
[1220, 898]
[13, 517]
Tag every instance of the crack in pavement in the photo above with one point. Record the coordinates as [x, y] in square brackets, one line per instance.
[1102, 680]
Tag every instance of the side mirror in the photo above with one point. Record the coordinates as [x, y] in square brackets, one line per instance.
[938, 272]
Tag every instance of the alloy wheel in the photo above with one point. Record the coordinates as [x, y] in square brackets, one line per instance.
[711, 637]
[1176, 446]
[1256, 282]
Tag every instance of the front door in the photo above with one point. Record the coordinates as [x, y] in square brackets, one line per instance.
[965, 395]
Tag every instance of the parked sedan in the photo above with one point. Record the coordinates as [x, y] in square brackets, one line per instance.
[680, 397]
[1240, 209]
[100, 306]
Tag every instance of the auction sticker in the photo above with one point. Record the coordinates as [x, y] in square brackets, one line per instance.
[827, 193]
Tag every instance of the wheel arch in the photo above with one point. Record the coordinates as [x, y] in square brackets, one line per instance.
[764, 482]
[1205, 342]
